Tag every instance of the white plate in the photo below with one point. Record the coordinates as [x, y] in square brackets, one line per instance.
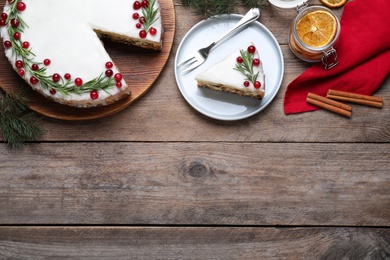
[223, 105]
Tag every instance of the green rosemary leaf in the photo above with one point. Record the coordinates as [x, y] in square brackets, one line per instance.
[150, 15]
[246, 67]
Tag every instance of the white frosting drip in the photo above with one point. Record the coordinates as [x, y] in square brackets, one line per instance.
[63, 31]
[223, 73]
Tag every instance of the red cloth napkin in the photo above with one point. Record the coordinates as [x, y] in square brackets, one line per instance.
[363, 52]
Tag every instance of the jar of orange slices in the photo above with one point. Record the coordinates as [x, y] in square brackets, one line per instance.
[313, 33]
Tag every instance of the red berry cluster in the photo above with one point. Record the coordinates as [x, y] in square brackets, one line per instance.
[109, 73]
[255, 62]
[139, 5]
[20, 7]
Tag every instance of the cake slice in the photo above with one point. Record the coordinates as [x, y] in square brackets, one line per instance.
[240, 73]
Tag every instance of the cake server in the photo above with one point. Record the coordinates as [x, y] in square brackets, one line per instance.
[199, 57]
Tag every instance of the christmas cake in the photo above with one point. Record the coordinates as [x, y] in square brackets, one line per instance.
[55, 46]
[240, 73]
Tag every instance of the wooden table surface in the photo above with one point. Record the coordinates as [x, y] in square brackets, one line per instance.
[158, 180]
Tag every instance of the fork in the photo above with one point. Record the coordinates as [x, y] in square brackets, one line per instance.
[199, 57]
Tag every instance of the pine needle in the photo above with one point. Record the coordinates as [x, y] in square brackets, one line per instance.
[210, 8]
[254, 3]
[17, 123]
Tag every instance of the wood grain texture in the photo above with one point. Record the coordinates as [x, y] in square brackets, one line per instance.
[196, 183]
[179, 185]
[140, 68]
[193, 243]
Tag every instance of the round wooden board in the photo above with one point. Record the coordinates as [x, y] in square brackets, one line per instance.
[140, 69]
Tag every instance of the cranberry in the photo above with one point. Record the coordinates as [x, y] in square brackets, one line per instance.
[78, 82]
[256, 62]
[119, 84]
[33, 80]
[138, 26]
[3, 19]
[109, 73]
[15, 22]
[67, 76]
[21, 72]
[35, 67]
[118, 77]
[94, 94]
[56, 77]
[257, 85]
[21, 6]
[239, 59]
[246, 83]
[25, 45]
[145, 4]
[142, 20]
[251, 49]
[47, 62]
[137, 5]
[53, 91]
[19, 64]
[7, 44]
[135, 16]
[109, 65]
[142, 34]
[153, 31]
[17, 36]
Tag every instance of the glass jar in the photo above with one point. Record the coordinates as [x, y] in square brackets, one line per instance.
[327, 54]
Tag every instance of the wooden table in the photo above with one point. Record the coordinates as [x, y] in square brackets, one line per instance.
[160, 181]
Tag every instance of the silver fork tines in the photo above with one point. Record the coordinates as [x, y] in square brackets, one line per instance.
[196, 59]
[199, 57]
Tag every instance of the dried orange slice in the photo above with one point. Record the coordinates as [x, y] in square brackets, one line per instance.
[317, 29]
[334, 3]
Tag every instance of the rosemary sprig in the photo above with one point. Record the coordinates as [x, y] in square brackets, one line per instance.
[150, 15]
[246, 67]
[17, 123]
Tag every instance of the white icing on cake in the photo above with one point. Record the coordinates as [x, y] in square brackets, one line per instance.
[63, 31]
[223, 74]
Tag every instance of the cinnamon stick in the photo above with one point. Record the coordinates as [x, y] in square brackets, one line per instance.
[329, 101]
[329, 104]
[355, 98]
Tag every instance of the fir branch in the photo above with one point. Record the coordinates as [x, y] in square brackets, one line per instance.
[210, 8]
[17, 123]
[255, 3]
